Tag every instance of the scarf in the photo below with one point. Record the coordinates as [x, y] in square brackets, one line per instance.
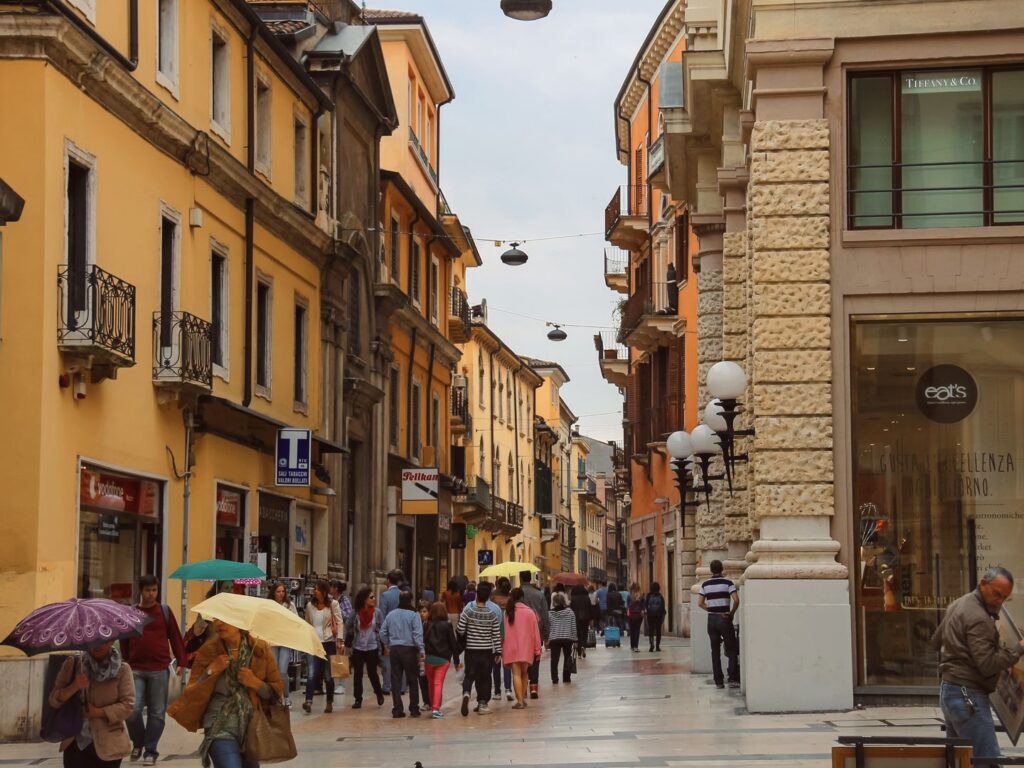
[233, 719]
[366, 617]
[104, 669]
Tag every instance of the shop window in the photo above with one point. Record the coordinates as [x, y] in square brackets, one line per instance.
[937, 490]
[263, 340]
[231, 538]
[120, 532]
[219, 310]
[263, 127]
[220, 86]
[167, 44]
[274, 539]
[937, 148]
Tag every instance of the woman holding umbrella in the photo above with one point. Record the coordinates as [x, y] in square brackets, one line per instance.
[232, 673]
[109, 698]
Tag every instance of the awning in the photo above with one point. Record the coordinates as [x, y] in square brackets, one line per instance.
[233, 421]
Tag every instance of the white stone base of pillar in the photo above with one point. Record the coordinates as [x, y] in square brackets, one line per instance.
[700, 646]
[797, 645]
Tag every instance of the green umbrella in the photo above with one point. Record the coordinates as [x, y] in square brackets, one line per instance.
[218, 570]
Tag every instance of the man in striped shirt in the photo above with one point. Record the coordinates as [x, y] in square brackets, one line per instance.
[719, 597]
[480, 630]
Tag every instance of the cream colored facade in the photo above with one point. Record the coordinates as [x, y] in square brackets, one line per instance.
[815, 300]
[500, 390]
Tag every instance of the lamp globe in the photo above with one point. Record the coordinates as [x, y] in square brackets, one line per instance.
[726, 380]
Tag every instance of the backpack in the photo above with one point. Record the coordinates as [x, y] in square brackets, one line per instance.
[636, 609]
[655, 604]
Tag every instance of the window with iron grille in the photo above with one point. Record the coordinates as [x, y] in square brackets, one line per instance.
[936, 148]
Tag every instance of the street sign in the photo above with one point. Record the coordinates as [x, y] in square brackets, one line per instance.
[293, 453]
[419, 491]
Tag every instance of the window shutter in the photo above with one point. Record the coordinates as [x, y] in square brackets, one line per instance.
[683, 247]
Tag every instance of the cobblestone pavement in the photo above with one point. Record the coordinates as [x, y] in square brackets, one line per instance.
[623, 709]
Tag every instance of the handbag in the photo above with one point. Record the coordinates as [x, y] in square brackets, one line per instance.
[591, 639]
[64, 721]
[268, 739]
[572, 663]
[339, 666]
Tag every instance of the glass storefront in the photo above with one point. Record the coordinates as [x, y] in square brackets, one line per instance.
[231, 539]
[938, 492]
[274, 520]
[119, 534]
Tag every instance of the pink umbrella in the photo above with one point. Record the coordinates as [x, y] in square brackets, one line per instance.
[76, 625]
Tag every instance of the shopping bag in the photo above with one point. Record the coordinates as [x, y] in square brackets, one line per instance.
[64, 721]
[572, 663]
[268, 739]
[591, 639]
[339, 666]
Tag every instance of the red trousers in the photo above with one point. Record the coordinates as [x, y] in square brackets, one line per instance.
[435, 682]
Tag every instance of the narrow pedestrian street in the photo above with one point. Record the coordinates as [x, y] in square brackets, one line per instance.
[623, 709]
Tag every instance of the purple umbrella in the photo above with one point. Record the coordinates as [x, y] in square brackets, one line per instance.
[76, 625]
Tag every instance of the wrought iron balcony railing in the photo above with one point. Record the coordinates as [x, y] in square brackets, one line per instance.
[628, 200]
[422, 155]
[462, 313]
[647, 300]
[608, 347]
[96, 314]
[182, 345]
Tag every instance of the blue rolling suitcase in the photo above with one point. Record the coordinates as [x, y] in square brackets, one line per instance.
[612, 637]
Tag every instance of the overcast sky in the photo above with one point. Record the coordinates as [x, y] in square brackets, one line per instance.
[528, 151]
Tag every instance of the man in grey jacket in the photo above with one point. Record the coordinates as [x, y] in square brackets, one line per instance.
[972, 658]
[534, 598]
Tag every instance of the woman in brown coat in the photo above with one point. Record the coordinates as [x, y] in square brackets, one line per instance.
[109, 700]
[232, 673]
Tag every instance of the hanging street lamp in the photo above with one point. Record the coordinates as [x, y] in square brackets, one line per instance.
[514, 257]
[556, 333]
[526, 10]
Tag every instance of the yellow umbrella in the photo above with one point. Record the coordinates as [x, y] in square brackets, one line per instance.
[508, 569]
[266, 619]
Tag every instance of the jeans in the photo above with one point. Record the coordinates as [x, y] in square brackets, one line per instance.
[151, 693]
[435, 682]
[564, 648]
[635, 622]
[501, 673]
[226, 753]
[317, 669]
[970, 717]
[721, 631]
[654, 630]
[283, 657]
[370, 660]
[405, 659]
[478, 670]
[86, 758]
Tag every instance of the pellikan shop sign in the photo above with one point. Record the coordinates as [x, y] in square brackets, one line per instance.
[419, 491]
[946, 393]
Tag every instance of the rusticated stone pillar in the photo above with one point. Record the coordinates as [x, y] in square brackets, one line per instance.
[709, 515]
[796, 587]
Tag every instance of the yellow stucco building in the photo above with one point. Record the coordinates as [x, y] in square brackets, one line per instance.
[498, 508]
[161, 300]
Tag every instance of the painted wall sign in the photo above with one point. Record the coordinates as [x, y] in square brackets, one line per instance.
[419, 491]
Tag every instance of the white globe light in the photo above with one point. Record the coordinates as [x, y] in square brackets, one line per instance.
[679, 445]
[713, 416]
[705, 441]
[726, 380]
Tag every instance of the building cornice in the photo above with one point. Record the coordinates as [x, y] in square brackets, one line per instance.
[56, 41]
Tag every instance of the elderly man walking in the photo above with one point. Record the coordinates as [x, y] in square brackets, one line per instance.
[971, 660]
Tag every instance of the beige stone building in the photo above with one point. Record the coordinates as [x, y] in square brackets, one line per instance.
[852, 171]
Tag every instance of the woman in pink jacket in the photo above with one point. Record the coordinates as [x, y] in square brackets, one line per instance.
[521, 643]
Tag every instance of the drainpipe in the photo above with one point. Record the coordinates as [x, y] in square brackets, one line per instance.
[186, 477]
[132, 61]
